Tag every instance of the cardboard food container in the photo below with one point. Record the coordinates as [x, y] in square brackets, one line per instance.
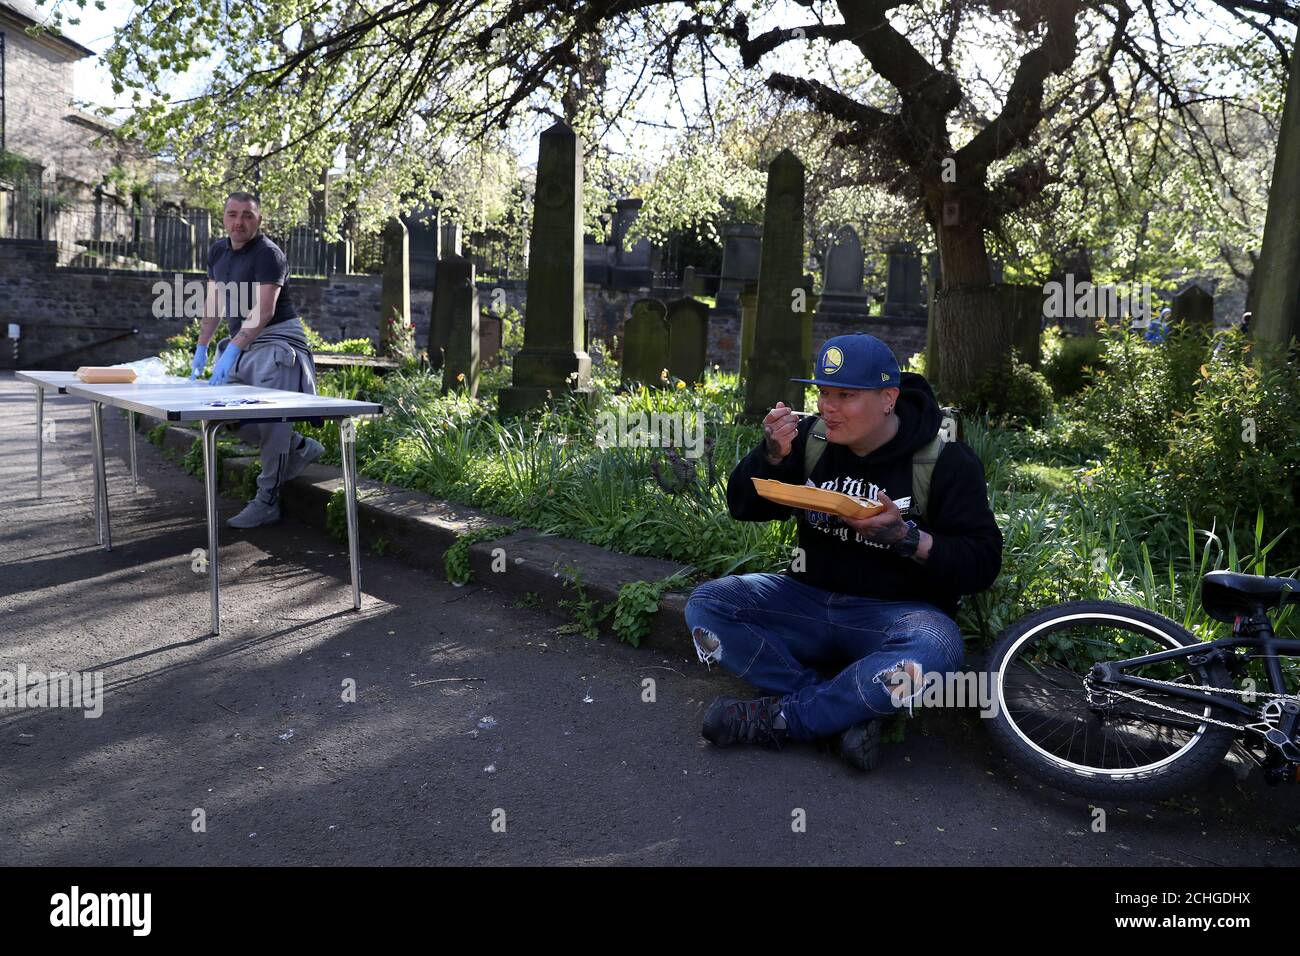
[816, 499]
[105, 375]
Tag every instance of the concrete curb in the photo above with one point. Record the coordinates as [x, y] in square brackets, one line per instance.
[418, 529]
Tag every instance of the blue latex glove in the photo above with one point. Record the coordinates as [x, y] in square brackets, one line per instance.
[200, 361]
[229, 356]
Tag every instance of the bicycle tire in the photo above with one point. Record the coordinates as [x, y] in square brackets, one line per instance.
[1179, 773]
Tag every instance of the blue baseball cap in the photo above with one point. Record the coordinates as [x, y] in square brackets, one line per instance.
[855, 361]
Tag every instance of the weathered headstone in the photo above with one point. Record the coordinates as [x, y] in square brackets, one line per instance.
[811, 308]
[456, 285]
[632, 267]
[903, 283]
[842, 297]
[423, 238]
[689, 282]
[688, 339]
[341, 257]
[595, 261]
[778, 329]
[741, 251]
[645, 343]
[489, 340]
[450, 240]
[748, 319]
[395, 291]
[1193, 306]
[553, 357]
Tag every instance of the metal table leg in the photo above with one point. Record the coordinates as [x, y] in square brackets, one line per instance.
[210, 487]
[101, 476]
[40, 436]
[135, 479]
[348, 449]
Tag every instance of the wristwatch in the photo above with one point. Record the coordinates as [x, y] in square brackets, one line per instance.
[906, 546]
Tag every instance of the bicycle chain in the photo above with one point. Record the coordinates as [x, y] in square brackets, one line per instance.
[1087, 689]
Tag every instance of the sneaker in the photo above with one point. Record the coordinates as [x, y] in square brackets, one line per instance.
[732, 721]
[255, 513]
[299, 460]
[860, 745]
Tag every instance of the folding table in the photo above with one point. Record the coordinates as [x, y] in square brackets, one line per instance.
[212, 407]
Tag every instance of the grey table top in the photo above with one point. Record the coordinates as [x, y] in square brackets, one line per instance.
[192, 401]
[61, 380]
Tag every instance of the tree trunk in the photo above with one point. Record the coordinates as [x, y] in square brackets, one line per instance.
[964, 316]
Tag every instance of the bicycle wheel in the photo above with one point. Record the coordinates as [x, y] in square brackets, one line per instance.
[1077, 733]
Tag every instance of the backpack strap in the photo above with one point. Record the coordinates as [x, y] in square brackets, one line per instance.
[814, 447]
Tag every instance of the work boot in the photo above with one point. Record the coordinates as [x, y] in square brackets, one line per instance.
[308, 452]
[256, 512]
[860, 745]
[732, 721]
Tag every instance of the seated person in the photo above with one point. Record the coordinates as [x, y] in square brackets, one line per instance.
[881, 591]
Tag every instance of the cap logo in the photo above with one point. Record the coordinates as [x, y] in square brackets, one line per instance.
[884, 376]
[832, 360]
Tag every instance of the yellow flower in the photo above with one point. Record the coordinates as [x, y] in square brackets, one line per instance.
[681, 384]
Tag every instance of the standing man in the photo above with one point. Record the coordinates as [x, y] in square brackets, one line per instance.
[870, 601]
[248, 284]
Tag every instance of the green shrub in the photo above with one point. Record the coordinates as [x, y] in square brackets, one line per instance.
[1013, 393]
[1140, 396]
[344, 347]
[1069, 361]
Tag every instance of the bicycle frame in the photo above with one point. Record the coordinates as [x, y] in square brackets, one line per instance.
[1259, 636]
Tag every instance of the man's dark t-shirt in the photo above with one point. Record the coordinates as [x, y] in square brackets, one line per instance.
[258, 260]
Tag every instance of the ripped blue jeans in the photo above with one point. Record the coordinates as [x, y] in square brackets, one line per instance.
[780, 635]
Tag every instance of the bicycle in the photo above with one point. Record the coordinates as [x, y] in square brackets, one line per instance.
[1110, 701]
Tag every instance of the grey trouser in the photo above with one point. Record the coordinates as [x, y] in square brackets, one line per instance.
[278, 358]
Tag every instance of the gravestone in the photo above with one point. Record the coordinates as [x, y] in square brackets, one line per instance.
[688, 339]
[741, 252]
[1193, 306]
[423, 237]
[461, 324]
[553, 357]
[903, 282]
[811, 309]
[645, 343]
[842, 296]
[450, 238]
[748, 318]
[632, 267]
[395, 292]
[778, 329]
[689, 282]
[341, 257]
[489, 340]
[595, 261]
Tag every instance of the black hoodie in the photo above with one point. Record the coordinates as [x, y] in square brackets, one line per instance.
[967, 551]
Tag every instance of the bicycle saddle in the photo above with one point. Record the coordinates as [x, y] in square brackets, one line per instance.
[1226, 594]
